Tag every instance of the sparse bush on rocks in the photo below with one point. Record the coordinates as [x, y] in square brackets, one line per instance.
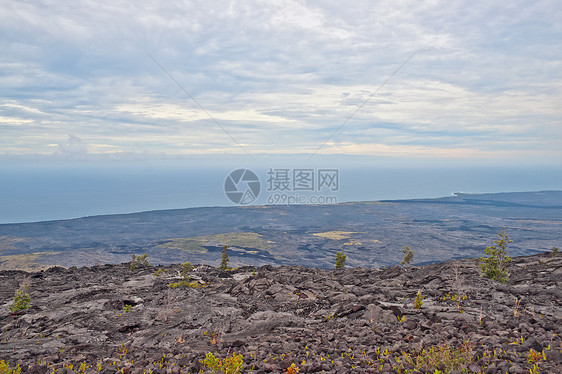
[185, 283]
[159, 272]
[494, 266]
[554, 251]
[281, 319]
[293, 369]
[167, 311]
[418, 301]
[186, 268]
[229, 365]
[535, 356]
[138, 261]
[340, 260]
[5, 368]
[216, 336]
[21, 298]
[458, 286]
[408, 256]
[436, 359]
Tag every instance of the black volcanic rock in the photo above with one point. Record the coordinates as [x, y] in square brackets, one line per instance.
[354, 320]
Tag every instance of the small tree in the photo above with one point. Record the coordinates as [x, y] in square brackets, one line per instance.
[494, 266]
[340, 260]
[186, 268]
[408, 256]
[21, 298]
[137, 261]
[224, 258]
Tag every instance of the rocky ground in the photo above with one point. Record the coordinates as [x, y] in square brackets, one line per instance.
[112, 319]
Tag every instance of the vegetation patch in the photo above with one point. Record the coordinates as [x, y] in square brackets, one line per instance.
[234, 239]
[353, 242]
[335, 235]
[26, 262]
[229, 365]
[5, 368]
[184, 283]
[436, 359]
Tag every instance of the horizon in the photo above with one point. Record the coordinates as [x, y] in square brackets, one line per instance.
[466, 93]
[60, 203]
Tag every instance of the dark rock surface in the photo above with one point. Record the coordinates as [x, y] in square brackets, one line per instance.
[354, 320]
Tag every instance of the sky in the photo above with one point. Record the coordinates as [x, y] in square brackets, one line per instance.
[444, 81]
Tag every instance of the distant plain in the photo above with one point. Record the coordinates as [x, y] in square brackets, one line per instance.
[372, 234]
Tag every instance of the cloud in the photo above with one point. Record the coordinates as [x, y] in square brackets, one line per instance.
[281, 77]
[73, 148]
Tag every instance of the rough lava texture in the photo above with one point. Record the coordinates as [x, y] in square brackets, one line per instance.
[354, 320]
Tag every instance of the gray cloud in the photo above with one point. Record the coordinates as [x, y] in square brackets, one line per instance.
[275, 74]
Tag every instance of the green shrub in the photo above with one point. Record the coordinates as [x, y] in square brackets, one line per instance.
[21, 298]
[138, 261]
[554, 251]
[186, 268]
[436, 359]
[185, 283]
[229, 365]
[5, 368]
[159, 272]
[418, 301]
[408, 256]
[494, 266]
[224, 258]
[340, 260]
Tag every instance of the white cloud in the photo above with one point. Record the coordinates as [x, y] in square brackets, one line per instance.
[73, 148]
[282, 76]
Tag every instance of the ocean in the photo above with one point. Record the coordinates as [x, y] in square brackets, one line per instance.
[43, 193]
